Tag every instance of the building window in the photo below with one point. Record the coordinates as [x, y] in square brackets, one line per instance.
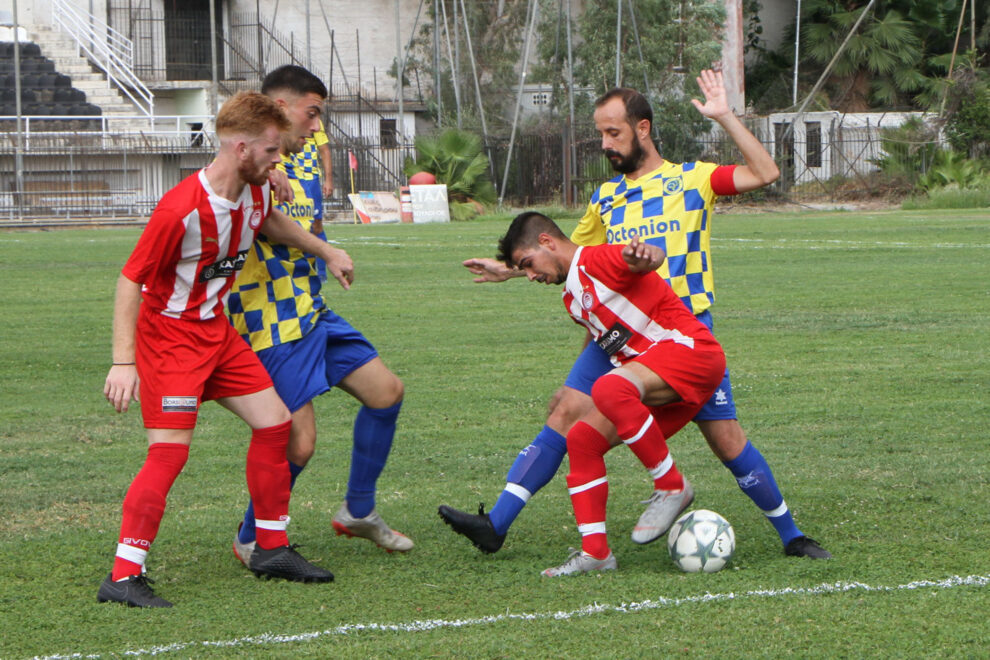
[388, 133]
[541, 98]
[813, 144]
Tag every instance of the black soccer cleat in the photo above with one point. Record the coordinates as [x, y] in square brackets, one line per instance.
[287, 564]
[135, 591]
[478, 528]
[805, 546]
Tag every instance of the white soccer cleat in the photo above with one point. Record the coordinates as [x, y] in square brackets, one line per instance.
[371, 527]
[243, 551]
[662, 509]
[580, 562]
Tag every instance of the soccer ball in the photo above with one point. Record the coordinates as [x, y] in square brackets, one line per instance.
[701, 540]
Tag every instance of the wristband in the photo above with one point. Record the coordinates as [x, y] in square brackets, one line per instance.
[121, 364]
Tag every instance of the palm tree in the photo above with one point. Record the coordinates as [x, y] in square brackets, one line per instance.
[883, 64]
[456, 159]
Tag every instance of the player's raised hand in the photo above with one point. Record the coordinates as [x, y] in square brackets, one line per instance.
[642, 257]
[121, 386]
[279, 181]
[490, 270]
[716, 100]
[339, 265]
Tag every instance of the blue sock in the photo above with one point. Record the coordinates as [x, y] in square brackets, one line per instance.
[247, 533]
[756, 480]
[533, 469]
[374, 429]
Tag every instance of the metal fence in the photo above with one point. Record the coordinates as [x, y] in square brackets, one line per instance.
[91, 176]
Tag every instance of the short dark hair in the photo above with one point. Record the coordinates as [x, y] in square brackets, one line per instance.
[637, 107]
[524, 232]
[295, 79]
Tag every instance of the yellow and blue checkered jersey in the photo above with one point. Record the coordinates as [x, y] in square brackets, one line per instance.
[308, 160]
[671, 208]
[276, 298]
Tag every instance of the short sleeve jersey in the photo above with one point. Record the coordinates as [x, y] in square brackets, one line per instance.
[626, 313]
[193, 246]
[670, 207]
[308, 160]
[276, 299]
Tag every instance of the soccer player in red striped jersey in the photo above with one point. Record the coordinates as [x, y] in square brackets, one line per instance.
[669, 205]
[174, 348]
[666, 364]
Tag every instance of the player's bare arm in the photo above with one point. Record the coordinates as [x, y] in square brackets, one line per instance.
[327, 161]
[282, 229]
[760, 169]
[281, 187]
[491, 270]
[121, 386]
[642, 257]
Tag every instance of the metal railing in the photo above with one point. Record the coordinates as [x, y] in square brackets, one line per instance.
[108, 49]
[168, 132]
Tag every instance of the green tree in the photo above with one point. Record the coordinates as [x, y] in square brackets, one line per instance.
[897, 57]
[496, 39]
[664, 46]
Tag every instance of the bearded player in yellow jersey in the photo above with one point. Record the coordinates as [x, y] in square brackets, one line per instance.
[669, 205]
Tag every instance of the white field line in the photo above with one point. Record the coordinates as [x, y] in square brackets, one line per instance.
[837, 244]
[588, 610]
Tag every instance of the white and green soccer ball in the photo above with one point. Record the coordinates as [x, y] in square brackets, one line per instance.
[701, 540]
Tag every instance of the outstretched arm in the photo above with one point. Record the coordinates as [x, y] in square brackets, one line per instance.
[282, 229]
[491, 270]
[759, 170]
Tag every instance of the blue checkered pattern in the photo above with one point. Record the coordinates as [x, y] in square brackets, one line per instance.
[276, 298]
[669, 208]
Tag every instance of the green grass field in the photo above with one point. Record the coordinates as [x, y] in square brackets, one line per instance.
[858, 344]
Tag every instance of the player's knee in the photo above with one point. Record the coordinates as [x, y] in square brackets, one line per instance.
[725, 437]
[571, 406]
[612, 393]
[302, 444]
[393, 392]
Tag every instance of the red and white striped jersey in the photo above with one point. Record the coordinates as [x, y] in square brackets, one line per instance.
[625, 312]
[195, 243]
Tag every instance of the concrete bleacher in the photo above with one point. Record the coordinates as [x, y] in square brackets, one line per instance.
[45, 92]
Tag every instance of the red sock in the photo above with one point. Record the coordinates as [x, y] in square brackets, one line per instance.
[268, 482]
[618, 399]
[144, 506]
[587, 484]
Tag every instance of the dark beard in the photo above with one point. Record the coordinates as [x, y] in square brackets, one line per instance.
[626, 164]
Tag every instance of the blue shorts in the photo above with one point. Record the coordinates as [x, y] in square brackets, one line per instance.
[304, 369]
[594, 363]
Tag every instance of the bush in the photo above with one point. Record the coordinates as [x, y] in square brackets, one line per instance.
[909, 150]
[950, 197]
[968, 126]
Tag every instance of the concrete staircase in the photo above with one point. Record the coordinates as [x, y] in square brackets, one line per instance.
[62, 49]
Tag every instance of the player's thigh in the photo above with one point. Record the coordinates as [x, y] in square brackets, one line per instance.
[373, 384]
[260, 410]
[174, 436]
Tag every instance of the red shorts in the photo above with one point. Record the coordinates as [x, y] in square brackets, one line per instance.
[182, 363]
[694, 373]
